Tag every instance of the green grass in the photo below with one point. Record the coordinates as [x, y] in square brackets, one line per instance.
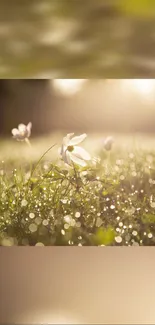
[110, 202]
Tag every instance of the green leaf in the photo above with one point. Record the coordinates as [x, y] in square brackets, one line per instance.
[148, 218]
[104, 193]
[104, 236]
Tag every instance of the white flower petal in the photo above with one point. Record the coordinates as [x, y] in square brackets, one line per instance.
[62, 150]
[67, 139]
[109, 140]
[77, 160]
[29, 127]
[66, 157]
[22, 128]
[15, 132]
[81, 153]
[70, 135]
[77, 140]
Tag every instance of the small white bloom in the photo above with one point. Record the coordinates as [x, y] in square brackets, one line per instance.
[108, 142]
[23, 132]
[70, 152]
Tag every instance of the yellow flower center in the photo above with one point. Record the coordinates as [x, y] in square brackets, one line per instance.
[70, 148]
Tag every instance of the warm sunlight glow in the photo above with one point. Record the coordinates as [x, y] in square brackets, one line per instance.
[141, 86]
[144, 86]
[46, 317]
[68, 86]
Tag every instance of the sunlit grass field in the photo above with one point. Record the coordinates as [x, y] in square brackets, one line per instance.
[111, 201]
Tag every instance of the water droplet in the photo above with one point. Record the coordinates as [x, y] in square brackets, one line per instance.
[39, 244]
[38, 221]
[134, 233]
[130, 210]
[118, 162]
[45, 222]
[99, 222]
[31, 215]
[77, 215]
[3, 195]
[131, 155]
[73, 222]
[78, 224]
[150, 235]
[152, 204]
[135, 243]
[33, 227]
[24, 203]
[68, 218]
[84, 173]
[66, 226]
[127, 237]
[112, 207]
[51, 213]
[118, 239]
[64, 201]
[7, 241]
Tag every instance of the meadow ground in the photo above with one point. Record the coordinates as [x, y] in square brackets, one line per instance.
[109, 202]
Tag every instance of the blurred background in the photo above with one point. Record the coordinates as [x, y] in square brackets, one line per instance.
[74, 39]
[122, 108]
[78, 105]
[88, 285]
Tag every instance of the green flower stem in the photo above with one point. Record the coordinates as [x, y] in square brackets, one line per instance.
[76, 176]
[28, 142]
[38, 162]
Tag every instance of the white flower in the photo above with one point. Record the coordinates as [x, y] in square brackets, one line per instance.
[23, 132]
[108, 142]
[70, 152]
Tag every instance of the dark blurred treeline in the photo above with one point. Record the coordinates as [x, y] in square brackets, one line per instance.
[77, 39]
[22, 101]
[100, 106]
